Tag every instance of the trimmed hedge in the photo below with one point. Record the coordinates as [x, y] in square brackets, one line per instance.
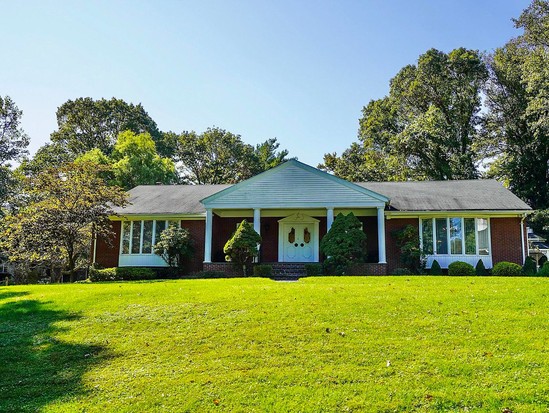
[508, 269]
[401, 271]
[210, 274]
[263, 270]
[122, 274]
[313, 269]
[435, 268]
[544, 270]
[461, 268]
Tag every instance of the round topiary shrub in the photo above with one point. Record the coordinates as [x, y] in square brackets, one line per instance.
[507, 269]
[435, 268]
[544, 270]
[461, 268]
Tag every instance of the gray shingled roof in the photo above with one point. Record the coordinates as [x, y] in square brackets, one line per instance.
[168, 199]
[477, 195]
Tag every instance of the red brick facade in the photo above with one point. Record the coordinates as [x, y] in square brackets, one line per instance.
[506, 240]
[393, 253]
[106, 254]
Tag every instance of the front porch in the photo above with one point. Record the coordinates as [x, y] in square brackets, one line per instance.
[290, 236]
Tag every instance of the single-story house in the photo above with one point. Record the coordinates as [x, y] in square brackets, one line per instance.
[457, 220]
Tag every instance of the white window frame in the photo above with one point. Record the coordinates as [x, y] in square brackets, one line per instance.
[448, 238]
[142, 226]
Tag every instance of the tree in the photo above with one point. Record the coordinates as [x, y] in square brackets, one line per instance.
[407, 241]
[343, 245]
[242, 248]
[13, 143]
[85, 124]
[220, 157]
[175, 246]
[516, 126]
[136, 162]
[425, 127]
[66, 206]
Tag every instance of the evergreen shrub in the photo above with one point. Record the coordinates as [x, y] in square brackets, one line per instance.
[461, 268]
[435, 268]
[508, 269]
[480, 269]
[263, 270]
[529, 267]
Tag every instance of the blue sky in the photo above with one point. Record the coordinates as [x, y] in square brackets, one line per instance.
[300, 71]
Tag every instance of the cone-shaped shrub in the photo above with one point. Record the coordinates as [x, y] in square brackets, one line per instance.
[242, 247]
[435, 268]
[480, 269]
[529, 267]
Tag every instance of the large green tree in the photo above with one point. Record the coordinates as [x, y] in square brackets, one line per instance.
[85, 124]
[65, 207]
[516, 127]
[13, 143]
[217, 156]
[425, 128]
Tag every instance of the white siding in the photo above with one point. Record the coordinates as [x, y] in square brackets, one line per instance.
[295, 187]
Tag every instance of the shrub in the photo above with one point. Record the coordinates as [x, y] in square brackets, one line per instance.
[407, 241]
[505, 268]
[175, 246]
[263, 270]
[401, 271]
[343, 245]
[435, 268]
[461, 268]
[480, 269]
[529, 267]
[544, 270]
[122, 274]
[313, 269]
[241, 249]
[210, 274]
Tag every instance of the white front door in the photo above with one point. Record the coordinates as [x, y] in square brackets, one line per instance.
[299, 242]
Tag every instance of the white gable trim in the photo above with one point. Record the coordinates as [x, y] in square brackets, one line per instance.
[222, 199]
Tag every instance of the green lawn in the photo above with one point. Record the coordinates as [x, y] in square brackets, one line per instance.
[373, 344]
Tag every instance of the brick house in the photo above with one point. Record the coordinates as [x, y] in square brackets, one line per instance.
[457, 220]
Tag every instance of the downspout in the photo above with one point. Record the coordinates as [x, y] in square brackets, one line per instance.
[522, 237]
[94, 247]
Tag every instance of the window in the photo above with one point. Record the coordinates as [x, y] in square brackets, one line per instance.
[455, 236]
[138, 237]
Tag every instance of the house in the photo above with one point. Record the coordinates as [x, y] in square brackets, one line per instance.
[293, 205]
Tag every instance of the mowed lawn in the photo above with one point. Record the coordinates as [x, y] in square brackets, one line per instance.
[334, 344]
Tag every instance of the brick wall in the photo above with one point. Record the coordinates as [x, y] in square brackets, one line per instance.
[392, 251]
[198, 232]
[106, 254]
[506, 240]
[368, 269]
[225, 267]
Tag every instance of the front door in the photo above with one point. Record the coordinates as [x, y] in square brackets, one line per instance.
[299, 242]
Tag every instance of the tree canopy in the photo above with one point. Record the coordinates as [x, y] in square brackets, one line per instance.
[65, 207]
[425, 128]
[13, 143]
[217, 156]
[85, 124]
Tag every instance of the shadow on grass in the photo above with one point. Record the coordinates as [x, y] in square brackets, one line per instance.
[36, 368]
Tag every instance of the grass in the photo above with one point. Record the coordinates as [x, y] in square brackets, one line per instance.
[373, 344]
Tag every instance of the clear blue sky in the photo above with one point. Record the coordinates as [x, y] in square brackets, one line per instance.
[300, 71]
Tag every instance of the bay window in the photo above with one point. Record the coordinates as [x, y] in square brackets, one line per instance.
[139, 236]
[455, 236]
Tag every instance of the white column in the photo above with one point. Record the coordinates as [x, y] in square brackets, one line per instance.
[208, 236]
[257, 220]
[381, 234]
[257, 227]
[329, 218]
